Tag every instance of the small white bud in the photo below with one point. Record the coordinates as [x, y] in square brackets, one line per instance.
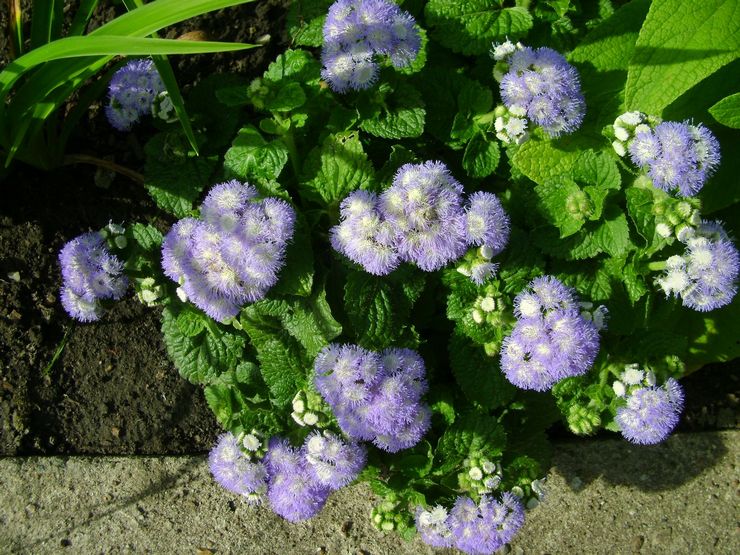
[632, 375]
[499, 124]
[518, 111]
[503, 137]
[664, 230]
[516, 490]
[148, 296]
[685, 233]
[619, 389]
[650, 378]
[630, 118]
[492, 482]
[477, 316]
[642, 128]
[181, 294]
[251, 442]
[619, 148]
[387, 526]
[464, 271]
[621, 133]
[488, 467]
[475, 473]
[297, 418]
[299, 406]
[486, 252]
[695, 218]
[503, 50]
[310, 418]
[488, 304]
[116, 229]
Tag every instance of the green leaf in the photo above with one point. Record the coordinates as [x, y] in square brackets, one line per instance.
[470, 27]
[190, 321]
[481, 156]
[541, 160]
[278, 353]
[680, 44]
[727, 111]
[305, 21]
[252, 157]
[563, 204]
[202, 357]
[147, 236]
[337, 168]
[174, 179]
[288, 97]
[478, 375]
[293, 65]
[613, 235]
[713, 336]
[401, 114]
[474, 434]
[296, 278]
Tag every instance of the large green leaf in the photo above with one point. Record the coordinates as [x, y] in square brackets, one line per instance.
[727, 111]
[680, 44]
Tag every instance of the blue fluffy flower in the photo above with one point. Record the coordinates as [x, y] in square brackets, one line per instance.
[551, 339]
[543, 85]
[232, 256]
[355, 32]
[132, 91]
[234, 470]
[651, 413]
[90, 273]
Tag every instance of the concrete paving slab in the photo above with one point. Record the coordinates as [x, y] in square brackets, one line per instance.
[604, 496]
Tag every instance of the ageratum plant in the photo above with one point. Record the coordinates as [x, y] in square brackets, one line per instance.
[435, 230]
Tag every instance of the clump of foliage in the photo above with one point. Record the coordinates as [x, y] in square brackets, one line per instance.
[449, 332]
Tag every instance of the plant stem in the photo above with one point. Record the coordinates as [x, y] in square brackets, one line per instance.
[292, 153]
[71, 159]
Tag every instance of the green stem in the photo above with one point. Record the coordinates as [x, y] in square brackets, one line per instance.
[106, 164]
[292, 154]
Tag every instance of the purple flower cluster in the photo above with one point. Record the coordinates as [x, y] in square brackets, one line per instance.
[542, 85]
[705, 276]
[375, 396]
[551, 339]
[234, 470]
[651, 413]
[420, 219]
[355, 31]
[132, 91]
[475, 528]
[89, 273]
[232, 255]
[297, 481]
[678, 156]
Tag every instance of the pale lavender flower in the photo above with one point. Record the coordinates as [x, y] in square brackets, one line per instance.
[551, 339]
[293, 492]
[333, 462]
[234, 254]
[705, 276]
[375, 397]
[651, 413]
[542, 84]
[132, 91]
[90, 273]
[678, 156]
[355, 32]
[433, 526]
[424, 206]
[234, 470]
[486, 222]
[487, 526]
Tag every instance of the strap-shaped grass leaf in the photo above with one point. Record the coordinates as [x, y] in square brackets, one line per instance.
[82, 17]
[46, 21]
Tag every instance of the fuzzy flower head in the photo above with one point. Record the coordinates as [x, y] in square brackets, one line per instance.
[651, 413]
[90, 273]
[293, 492]
[543, 85]
[375, 396]
[677, 156]
[485, 527]
[551, 339]
[232, 469]
[356, 32]
[705, 276]
[132, 92]
[331, 461]
[233, 255]
[433, 527]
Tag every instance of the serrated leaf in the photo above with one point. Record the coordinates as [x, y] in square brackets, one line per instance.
[293, 65]
[478, 375]
[541, 160]
[201, 358]
[481, 156]
[296, 277]
[680, 44]
[252, 157]
[727, 111]
[305, 21]
[191, 321]
[613, 235]
[369, 301]
[474, 433]
[400, 116]
[148, 237]
[339, 167]
[233, 96]
[288, 97]
[470, 27]
[174, 179]
[560, 201]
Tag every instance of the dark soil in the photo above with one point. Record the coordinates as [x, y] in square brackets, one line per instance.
[113, 389]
